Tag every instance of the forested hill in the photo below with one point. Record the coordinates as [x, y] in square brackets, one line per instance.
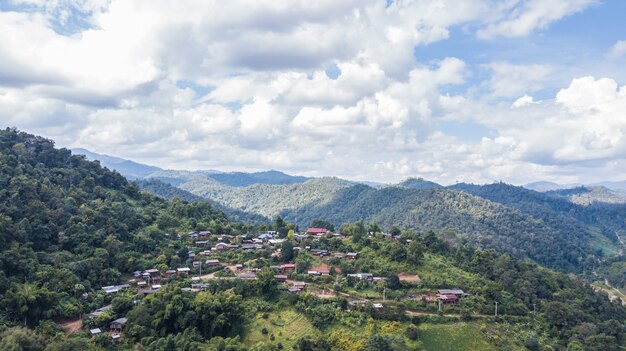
[483, 223]
[528, 224]
[67, 223]
[168, 191]
[557, 211]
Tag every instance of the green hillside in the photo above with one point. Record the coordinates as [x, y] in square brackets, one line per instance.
[73, 234]
[552, 231]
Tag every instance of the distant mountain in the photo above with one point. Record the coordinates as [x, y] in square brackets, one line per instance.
[525, 223]
[127, 168]
[618, 186]
[543, 186]
[418, 183]
[241, 179]
[597, 223]
[169, 192]
[590, 195]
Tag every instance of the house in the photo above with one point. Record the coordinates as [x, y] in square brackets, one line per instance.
[238, 267]
[183, 270]
[281, 278]
[357, 303]
[94, 332]
[314, 273]
[222, 247]
[201, 244]
[298, 285]
[117, 325]
[142, 284]
[265, 236]
[195, 264]
[456, 292]
[156, 287]
[247, 275]
[199, 287]
[145, 291]
[339, 255]
[362, 276]
[251, 246]
[352, 255]
[409, 278]
[212, 263]
[377, 305]
[191, 254]
[316, 231]
[448, 298]
[115, 288]
[204, 234]
[153, 273]
[170, 273]
[288, 267]
[275, 242]
[322, 269]
[319, 253]
[99, 311]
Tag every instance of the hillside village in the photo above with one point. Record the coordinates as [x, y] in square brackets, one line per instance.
[212, 257]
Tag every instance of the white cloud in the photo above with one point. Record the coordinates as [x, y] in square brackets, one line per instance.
[523, 101]
[618, 50]
[243, 85]
[523, 17]
[508, 80]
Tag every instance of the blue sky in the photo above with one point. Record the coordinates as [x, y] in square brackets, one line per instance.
[481, 90]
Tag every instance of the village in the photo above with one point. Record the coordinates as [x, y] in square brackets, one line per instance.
[212, 257]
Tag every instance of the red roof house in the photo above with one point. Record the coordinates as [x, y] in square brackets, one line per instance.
[316, 231]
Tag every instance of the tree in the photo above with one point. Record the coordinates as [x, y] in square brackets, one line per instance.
[373, 227]
[18, 339]
[286, 251]
[395, 231]
[280, 226]
[393, 282]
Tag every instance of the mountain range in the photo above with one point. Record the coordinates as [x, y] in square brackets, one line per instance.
[559, 228]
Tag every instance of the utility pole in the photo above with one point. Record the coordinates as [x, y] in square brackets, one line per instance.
[534, 310]
[439, 305]
[496, 308]
[384, 293]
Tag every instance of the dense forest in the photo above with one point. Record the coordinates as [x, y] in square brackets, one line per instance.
[69, 226]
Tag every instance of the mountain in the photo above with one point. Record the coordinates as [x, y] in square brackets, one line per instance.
[528, 224]
[127, 168]
[599, 224]
[170, 192]
[418, 184]
[543, 186]
[617, 186]
[590, 195]
[241, 179]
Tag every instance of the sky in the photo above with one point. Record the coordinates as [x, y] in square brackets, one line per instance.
[380, 90]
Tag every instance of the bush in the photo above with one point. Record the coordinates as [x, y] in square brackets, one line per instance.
[264, 331]
[412, 332]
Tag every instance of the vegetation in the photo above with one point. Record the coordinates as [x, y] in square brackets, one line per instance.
[68, 227]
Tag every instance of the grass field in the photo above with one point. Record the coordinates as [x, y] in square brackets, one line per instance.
[287, 326]
[453, 337]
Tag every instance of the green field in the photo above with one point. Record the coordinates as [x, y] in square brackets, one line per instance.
[287, 326]
[453, 337]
